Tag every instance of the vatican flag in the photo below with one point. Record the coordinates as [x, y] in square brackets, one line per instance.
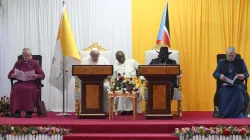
[65, 55]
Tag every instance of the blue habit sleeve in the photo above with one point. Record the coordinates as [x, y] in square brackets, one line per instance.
[217, 72]
[245, 71]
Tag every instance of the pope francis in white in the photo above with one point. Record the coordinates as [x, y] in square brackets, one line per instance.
[99, 61]
[96, 59]
[129, 69]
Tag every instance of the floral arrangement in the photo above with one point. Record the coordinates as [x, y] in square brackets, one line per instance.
[218, 130]
[4, 106]
[124, 84]
[15, 130]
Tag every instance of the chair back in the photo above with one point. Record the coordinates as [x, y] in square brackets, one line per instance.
[103, 52]
[35, 57]
[224, 56]
[39, 82]
[152, 54]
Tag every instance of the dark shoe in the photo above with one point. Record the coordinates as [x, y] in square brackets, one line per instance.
[124, 113]
[17, 114]
[130, 112]
[28, 114]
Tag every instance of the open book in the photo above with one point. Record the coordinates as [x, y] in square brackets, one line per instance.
[24, 76]
[231, 81]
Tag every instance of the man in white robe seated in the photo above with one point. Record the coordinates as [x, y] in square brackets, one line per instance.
[129, 68]
[96, 59]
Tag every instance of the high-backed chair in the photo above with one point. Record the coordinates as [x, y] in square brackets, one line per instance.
[221, 57]
[103, 52]
[39, 82]
[218, 83]
[85, 53]
[175, 55]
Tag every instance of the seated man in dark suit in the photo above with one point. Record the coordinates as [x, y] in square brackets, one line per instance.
[163, 59]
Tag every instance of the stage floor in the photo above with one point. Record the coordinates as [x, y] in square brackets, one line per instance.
[122, 124]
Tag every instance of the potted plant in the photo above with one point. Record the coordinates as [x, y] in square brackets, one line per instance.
[4, 106]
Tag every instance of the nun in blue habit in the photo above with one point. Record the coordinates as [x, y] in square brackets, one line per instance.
[231, 97]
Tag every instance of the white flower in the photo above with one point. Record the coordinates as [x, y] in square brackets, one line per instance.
[125, 81]
[12, 128]
[117, 88]
[113, 84]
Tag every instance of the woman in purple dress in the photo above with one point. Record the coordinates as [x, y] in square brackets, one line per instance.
[25, 94]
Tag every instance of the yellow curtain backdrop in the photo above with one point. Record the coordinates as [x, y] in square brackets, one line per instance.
[200, 29]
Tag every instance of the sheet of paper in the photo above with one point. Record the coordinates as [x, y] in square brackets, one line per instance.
[24, 76]
[28, 75]
[231, 81]
[19, 75]
[235, 77]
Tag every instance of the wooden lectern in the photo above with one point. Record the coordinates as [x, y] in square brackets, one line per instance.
[159, 89]
[92, 78]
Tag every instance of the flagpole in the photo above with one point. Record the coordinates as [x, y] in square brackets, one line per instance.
[65, 105]
[63, 92]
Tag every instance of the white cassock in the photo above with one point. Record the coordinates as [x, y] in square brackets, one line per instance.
[129, 68]
[101, 61]
[106, 85]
